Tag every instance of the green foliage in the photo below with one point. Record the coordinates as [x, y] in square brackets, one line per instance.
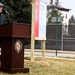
[57, 2]
[20, 10]
[51, 2]
[53, 13]
[72, 19]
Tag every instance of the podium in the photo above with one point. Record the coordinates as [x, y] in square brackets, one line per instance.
[12, 52]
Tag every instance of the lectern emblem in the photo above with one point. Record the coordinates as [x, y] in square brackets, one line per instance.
[18, 46]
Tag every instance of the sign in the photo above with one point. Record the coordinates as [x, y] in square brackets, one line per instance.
[60, 19]
[40, 19]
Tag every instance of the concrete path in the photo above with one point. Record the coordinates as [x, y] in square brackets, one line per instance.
[49, 53]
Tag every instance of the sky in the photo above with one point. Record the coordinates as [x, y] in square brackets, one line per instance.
[70, 4]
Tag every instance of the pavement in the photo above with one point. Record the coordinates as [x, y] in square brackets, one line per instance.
[49, 53]
[52, 51]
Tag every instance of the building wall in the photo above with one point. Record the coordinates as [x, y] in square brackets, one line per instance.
[68, 40]
[51, 37]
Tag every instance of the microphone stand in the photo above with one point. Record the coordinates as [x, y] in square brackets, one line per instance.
[9, 18]
[8, 15]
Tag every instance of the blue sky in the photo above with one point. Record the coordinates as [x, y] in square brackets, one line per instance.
[69, 4]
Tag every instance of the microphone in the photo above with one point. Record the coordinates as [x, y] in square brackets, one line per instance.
[5, 11]
[8, 14]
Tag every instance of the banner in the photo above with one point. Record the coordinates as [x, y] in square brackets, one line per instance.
[36, 22]
[40, 19]
[47, 2]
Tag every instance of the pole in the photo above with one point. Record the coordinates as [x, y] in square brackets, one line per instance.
[62, 39]
[56, 34]
[32, 32]
[57, 1]
[43, 48]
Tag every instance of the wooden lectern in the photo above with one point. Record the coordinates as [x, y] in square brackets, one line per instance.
[12, 53]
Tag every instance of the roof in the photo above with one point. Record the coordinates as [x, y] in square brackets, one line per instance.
[59, 8]
[63, 9]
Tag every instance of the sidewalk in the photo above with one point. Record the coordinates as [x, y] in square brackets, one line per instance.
[52, 51]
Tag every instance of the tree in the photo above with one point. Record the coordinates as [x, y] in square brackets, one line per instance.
[20, 10]
[51, 2]
[54, 11]
[56, 2]
[72, 19]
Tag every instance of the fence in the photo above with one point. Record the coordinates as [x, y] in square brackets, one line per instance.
[65, 43]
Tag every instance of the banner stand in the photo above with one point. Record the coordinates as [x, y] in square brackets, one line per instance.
[32, 32]
[39, 8]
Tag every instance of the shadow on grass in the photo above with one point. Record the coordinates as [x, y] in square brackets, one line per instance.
[27, 58]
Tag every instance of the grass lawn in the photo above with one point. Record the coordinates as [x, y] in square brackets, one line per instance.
[49, 66]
